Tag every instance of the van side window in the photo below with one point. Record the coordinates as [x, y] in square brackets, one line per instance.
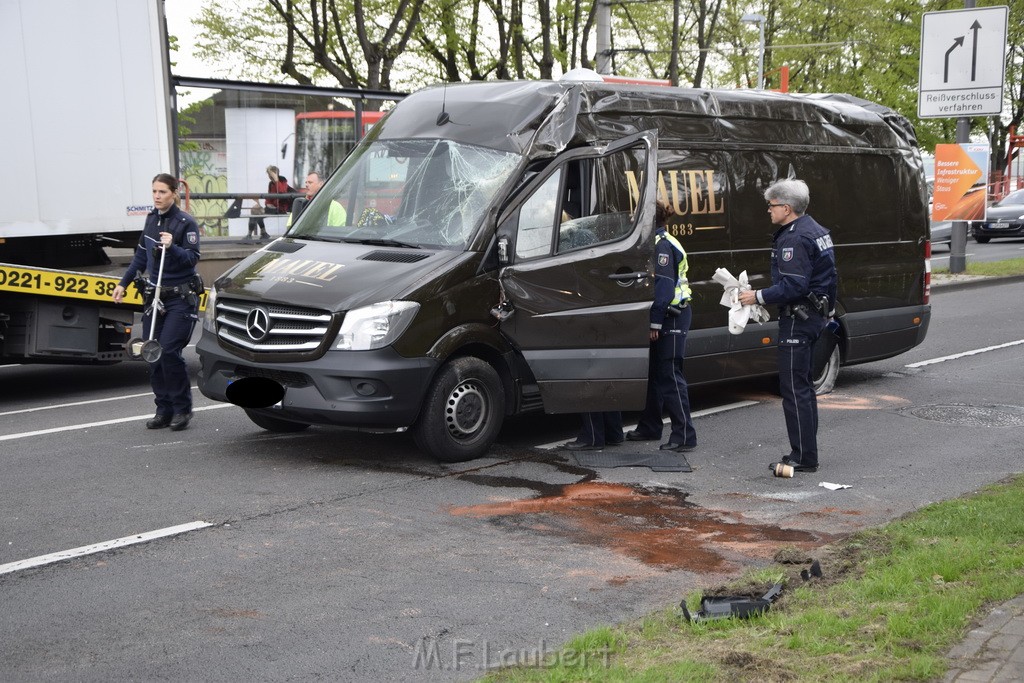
[587, 200]
[598, 204]
[537, 220]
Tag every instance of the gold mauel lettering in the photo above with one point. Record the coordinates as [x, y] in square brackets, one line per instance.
[686, 192]
[324, 271]
[314, 270]
[713, 207]
[633, 187]
[298, 266]
[272, 266]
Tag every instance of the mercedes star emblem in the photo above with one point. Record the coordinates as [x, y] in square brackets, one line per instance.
[257, 324]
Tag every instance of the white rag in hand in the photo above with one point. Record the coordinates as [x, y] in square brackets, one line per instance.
[738, 313]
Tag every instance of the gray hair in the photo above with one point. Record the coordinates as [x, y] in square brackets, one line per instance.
[792, 192]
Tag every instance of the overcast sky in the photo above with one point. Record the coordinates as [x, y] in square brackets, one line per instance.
[179, 14]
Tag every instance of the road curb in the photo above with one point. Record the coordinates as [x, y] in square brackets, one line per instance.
[974, 282]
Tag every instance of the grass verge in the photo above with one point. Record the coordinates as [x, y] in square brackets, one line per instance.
[890, 604]
[1013, 266]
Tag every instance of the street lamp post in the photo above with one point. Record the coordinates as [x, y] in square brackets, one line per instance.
[758, 19]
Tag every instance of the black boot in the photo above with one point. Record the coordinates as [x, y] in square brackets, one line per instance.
[158, 421]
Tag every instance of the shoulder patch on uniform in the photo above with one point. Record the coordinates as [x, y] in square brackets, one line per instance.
[787, 253]
[662, 259]
[193, 238]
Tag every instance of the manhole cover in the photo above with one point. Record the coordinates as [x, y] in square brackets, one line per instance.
[972, 416]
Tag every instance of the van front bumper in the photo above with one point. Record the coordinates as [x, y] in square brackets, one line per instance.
[376, 389]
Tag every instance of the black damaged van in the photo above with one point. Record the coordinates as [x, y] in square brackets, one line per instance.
[495, 255]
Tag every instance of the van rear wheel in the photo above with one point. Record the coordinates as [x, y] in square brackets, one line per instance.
[825, 380]
[273, 424]
[464, 409]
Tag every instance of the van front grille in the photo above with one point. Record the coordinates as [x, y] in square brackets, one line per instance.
[271, 328]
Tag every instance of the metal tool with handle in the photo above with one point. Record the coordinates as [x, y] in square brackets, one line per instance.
[150, 350]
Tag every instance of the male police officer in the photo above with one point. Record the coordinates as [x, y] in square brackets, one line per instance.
[804, 287]
[670, 322]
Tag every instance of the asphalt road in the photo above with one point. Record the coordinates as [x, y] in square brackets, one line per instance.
[996, 250]
[351, 557]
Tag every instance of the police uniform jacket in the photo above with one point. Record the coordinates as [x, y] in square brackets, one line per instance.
[670, 284]
[182, 256]
[803, 262]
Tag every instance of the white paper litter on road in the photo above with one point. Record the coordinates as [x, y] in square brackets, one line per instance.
[834, 487]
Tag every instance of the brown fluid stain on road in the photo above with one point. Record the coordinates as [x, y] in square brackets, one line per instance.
[840, 401]
[655, 526]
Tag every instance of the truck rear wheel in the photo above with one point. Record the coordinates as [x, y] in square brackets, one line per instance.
[464, 409]
[273, 424]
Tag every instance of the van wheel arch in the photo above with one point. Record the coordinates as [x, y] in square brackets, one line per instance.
[463, 410]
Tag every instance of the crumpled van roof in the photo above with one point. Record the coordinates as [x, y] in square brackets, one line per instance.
[541, 118]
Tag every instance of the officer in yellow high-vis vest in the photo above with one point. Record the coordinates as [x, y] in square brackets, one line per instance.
[670, 322]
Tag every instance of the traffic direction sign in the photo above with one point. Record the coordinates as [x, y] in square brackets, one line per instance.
[963, 62]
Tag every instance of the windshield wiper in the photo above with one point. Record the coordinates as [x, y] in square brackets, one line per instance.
[379, 242]
[316, 238]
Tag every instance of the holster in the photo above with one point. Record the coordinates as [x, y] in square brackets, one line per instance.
[798, 311]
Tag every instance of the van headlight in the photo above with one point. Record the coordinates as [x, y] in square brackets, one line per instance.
[210, 312]
[376, 326]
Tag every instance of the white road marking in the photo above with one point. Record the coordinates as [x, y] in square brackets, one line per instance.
[699, 413]
[87, 425]
[964, 354]
[82, 403]
[76, 403]
[41, 560]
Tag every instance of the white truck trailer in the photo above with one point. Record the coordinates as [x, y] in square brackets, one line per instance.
[87, 121]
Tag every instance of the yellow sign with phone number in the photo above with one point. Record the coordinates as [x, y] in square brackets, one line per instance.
[68, 285]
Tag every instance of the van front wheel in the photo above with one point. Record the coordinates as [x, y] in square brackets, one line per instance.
[463, 412]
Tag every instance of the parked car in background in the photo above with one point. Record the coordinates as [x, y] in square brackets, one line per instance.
[940, 232]
[1005, 218]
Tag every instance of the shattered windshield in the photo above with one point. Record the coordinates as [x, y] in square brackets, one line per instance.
[420, 193]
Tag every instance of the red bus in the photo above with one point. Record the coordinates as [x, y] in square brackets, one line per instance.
[324, 138]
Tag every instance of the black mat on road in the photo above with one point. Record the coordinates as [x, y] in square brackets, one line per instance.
[667, 461]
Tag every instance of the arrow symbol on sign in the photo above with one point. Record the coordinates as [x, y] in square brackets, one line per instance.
[974, 54]
[958, 42]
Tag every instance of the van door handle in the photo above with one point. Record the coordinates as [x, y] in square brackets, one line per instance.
[629, 277]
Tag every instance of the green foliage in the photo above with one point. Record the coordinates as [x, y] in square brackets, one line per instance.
[867, 48]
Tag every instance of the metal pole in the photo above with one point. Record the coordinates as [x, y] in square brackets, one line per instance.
[958, 236]
[604, 37]
[760, 61]
[760, 20]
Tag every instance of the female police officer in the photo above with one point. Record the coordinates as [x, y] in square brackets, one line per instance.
[171, 230]
[670, 323]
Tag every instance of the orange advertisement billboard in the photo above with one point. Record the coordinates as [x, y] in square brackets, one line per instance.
[960, 182]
